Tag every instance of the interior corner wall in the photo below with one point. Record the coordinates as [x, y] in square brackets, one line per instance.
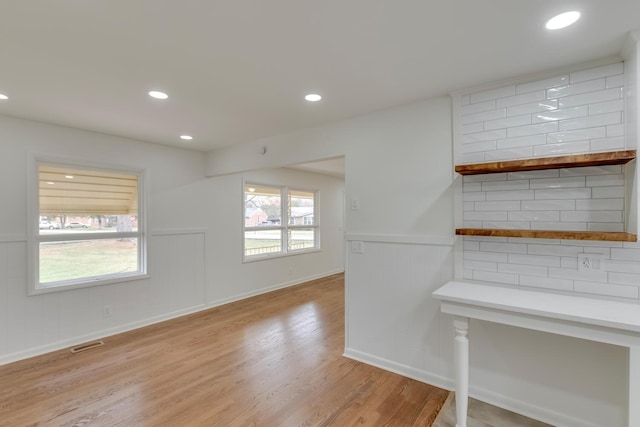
[194, 235]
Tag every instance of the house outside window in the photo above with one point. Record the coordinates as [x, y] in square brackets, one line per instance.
[278, 221]
[87, 228]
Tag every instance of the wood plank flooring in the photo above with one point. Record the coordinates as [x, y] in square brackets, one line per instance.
[271, 360]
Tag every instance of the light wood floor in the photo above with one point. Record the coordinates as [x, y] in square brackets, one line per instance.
[272, 360]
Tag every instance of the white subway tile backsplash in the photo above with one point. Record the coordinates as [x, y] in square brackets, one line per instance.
[472, 128]
[561, 148]
[485, 216]
[486, 276]
[598, 72]
[590, 98]
[591, 121]
[605, 226]
[562, 114]
[468, 187]
[479, 146]
[534, 216]
[567, 182]
[509, 154]
[615, 130]
[506, 225]
[529, 270]
[548, 205]
[574, 274]
[563, 194]
[622, 266]
[607, 144]
[474, 197]
[583, 112]
[481, 265]
[577, 135]
[533, 107]
[545, 173]
[520, 184]
[467, 158]
[600, 204]
[479, 107]
[484, 136]
[615, 81]
[532, 129]
[576, 89]
[549, 261]
[625, 279]
[543, 84]
[608, 192]
[524, 141]
[591, 216]
[510, 195]
[591, 170]
[491, 94]
[606, 107]
[605, 180]
[485, 256]
[546, 283]
[525, 98]
[518, 248]
[606, 289]
[624, 254]
[508, 122]
[485, 115]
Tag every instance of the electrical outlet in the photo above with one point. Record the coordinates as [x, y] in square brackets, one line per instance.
[357, 247]
[107, 311]
[590, 263]
[355, 204]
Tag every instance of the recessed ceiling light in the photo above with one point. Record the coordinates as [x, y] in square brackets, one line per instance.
[51, 183]
[3, 96]
[186, 137]
[158, 95]
[313, 97]
[69, 176]
[563, 20]
[251, 189]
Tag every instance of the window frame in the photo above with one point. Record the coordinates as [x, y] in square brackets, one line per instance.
[35, 238]
[284, 226]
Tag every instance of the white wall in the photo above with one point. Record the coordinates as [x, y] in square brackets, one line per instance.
[195, 226]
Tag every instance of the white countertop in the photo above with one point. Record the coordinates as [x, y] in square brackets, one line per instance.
[612, 314]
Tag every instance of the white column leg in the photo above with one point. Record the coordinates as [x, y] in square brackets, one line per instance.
[634, 386]
[461, 354]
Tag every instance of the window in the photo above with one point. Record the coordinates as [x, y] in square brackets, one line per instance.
[89, 227]
[279, 221]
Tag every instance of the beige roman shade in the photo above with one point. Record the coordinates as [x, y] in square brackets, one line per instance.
[86, 192]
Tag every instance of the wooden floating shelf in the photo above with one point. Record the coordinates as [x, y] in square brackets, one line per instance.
[609, 236]
[573, 161]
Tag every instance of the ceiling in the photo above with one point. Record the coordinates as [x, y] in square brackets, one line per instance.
[237, 70]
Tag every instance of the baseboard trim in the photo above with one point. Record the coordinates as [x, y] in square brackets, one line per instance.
[400, 369]
[484, 395]
[105, 333]
[296, 282]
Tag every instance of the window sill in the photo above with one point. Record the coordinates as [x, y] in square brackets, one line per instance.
[278, 255]
[86, 284]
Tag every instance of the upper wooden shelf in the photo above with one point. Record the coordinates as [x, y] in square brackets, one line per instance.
[573, 161]
[609, 236]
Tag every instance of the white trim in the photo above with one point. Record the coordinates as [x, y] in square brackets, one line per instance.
[13, 238]
[400, 369]
[419, 239]
[268, 289]
[177, 231]
[502, 401]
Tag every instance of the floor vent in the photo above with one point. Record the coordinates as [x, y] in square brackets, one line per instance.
[87, 346]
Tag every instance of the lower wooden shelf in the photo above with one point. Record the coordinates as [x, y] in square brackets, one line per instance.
[609, 236]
